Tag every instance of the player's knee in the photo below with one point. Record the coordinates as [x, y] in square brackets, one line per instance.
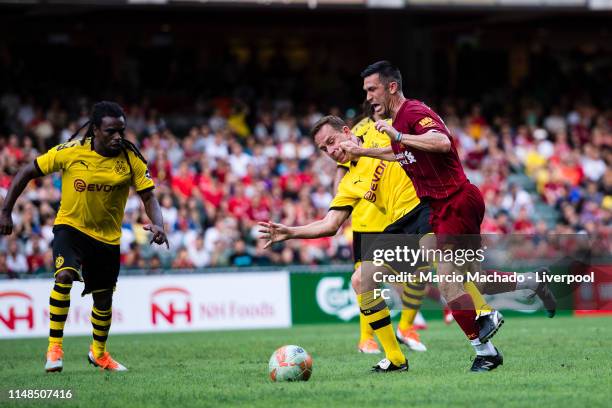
[66, 277]
[451, 290]
[103, 300]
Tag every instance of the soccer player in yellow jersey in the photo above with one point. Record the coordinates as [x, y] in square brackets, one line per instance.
[363, 185]
[368, 219]
[97, 172]
[355, 190]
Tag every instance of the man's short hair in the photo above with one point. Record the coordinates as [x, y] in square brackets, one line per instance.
[386, 71]
[335, 122]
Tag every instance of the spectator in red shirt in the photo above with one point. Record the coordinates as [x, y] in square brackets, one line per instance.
[522, 224]
[182, 260]
[13, 149]
[36, 260]
[259, 210]
[184, 181]
[133, 258]
[239, 205]
[161, 168]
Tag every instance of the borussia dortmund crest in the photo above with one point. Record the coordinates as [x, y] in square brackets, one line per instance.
[59, 261]
[120, 167]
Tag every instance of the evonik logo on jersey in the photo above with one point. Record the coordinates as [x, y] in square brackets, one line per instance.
[80, 186]
[16, 308]
[370, 195]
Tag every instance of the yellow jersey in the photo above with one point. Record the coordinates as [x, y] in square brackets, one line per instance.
[359, 130]
[377, 192]
[94, 188]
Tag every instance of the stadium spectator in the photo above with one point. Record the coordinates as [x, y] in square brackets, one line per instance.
[182, 260]
[199, 257]
[214, 180]
[16, 262]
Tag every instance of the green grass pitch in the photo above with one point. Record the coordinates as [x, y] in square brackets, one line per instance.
[560, 362]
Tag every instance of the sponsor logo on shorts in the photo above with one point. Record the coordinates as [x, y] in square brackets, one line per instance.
[59, 261]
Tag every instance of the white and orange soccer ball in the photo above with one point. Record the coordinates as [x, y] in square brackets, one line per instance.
[290, 363]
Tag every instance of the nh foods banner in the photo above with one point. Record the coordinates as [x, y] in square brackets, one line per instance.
[155, 304]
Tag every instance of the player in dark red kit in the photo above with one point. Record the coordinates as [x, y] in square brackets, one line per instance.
[423, 145]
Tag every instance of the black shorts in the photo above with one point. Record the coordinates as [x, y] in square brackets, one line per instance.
[413, 226]
[416, 222]
[94, 262]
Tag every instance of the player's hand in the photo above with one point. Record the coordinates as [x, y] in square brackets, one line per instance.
[6, 223]
[272, 232]
[159, 236]
[352, 149]
[385, 127]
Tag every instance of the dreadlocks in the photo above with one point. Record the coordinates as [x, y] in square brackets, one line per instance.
[100, 110]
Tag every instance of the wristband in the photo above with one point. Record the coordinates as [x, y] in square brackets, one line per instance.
[398, 137]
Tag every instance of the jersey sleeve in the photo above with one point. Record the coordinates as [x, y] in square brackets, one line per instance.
[54, 160]
[142, 179]
[344, 200]
[422, 120]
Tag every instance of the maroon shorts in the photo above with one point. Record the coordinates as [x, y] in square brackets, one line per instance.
[455, 218]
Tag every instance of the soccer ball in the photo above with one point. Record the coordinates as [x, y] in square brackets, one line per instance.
[290, 363]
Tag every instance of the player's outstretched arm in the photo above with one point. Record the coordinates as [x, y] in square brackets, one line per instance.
[154, 213]
[272, 232]
[356, 151]
[430, 141]
[19, 183]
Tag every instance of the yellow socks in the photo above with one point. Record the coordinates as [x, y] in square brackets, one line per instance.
[480, 304]
[412, 297]
[101, 322]
[365, 330]
[59, 304]
[376, 313]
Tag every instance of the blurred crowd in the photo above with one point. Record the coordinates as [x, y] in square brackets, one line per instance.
[240, 164]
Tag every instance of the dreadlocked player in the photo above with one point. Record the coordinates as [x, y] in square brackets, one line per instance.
[97, 172]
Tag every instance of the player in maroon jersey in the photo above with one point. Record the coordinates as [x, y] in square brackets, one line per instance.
[425, 148]
[423, 145]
